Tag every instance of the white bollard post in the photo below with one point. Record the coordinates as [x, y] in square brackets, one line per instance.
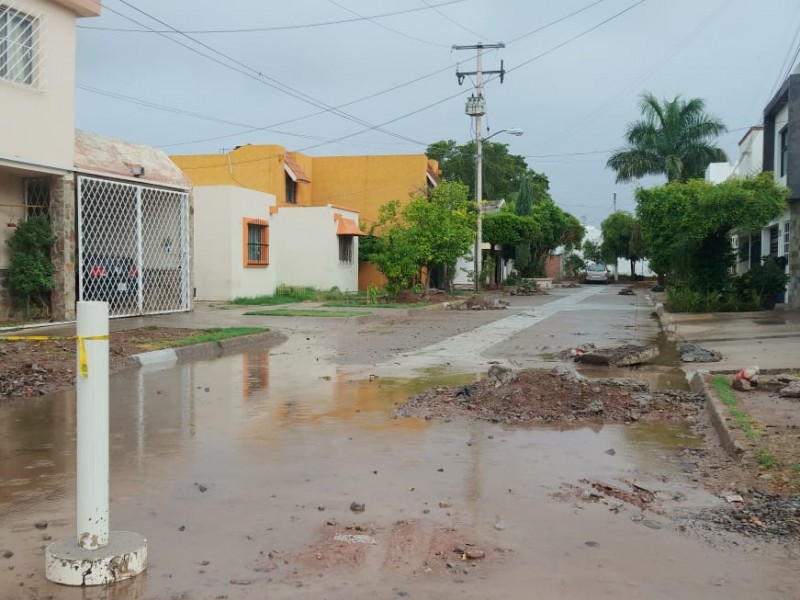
[97, 557]
[92, 389]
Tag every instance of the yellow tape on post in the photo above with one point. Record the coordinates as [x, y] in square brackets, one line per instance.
[83, 367]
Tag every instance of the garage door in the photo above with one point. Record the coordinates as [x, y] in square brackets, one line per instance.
[133, 247]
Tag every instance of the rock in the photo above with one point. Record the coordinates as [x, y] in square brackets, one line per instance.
[201, 487]
[693, 353]
[445, 505]
[628, 291]
[41, 524]
[182, 528]
[592, 544]
[354, 538]
[567, 373]
[357, 507]
[6, 553]
[611, 452]
[595, 407]
[499, 526]
[475, 554]
[742, 385]
[500, 376]
[622, 356]
[790, 391]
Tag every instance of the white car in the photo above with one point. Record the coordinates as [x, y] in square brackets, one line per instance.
[597, 273]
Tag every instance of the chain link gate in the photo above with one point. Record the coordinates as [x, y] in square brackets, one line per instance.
[133, 247]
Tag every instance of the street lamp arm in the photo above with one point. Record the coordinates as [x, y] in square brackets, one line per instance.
[510, 131]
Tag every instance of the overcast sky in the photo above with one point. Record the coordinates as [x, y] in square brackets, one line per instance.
[572, 82]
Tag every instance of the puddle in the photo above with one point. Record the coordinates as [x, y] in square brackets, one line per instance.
[220, 463]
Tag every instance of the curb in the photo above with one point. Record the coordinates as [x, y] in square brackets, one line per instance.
[717, 412]
[208, 349]
[699, 384]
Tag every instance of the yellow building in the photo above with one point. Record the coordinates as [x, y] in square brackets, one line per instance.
[360, 183]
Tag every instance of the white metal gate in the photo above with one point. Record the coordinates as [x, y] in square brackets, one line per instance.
[133, 247]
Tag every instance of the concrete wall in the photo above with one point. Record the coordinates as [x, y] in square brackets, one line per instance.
[306, 248]
[39, 124]
[219, 271]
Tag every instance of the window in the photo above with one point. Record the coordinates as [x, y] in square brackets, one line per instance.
[37, 197]
[784, 150]
[256, 243]
[346, 248]
[291, 190]
[19, 52]
[786, 238]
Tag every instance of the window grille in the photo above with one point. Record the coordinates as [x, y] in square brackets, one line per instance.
[786, 238]
[257, 243]
[37, 197]
[346, 248]
[20, 46]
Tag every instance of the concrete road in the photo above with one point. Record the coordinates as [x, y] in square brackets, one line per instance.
[241, 471]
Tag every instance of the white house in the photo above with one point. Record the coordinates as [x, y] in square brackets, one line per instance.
[245, 245]
[37, 144]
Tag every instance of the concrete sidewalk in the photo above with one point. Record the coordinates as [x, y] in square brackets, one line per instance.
[767, 339]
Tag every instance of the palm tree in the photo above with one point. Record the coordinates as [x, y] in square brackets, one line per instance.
[675, 138]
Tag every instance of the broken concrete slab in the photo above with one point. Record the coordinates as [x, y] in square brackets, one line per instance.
[622, 356]
[694, 353]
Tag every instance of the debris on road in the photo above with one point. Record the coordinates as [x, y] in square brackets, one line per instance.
[628, 291]
[746, 379]
[560, 395]
[622, 356]
[694, 353]
[478, 303]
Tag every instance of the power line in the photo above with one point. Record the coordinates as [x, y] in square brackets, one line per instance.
[406, 115]
[387, 28]
[277, 28]
[435, 8]
[564, 18]
[255, 73]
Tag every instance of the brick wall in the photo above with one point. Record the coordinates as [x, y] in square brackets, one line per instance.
[552, 266]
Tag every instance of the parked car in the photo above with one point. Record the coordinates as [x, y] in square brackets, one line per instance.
[109, 278]
[597, 273]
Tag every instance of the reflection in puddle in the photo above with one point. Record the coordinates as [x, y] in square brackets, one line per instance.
[272, 440]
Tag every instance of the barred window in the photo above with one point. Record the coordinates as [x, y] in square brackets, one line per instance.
[346, 248]
[37, 197]
[256, 246]
[20, 54]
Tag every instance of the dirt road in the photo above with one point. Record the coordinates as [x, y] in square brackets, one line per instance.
[248, 473]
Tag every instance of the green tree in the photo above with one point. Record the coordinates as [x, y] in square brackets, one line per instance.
[30, 274]
[686, 226]
[675, 138]
[502, 172]
[591, 251]
[426, 233]
[523, 207]
[622, 238]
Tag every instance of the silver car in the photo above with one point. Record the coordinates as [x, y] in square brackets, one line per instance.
[597, 273]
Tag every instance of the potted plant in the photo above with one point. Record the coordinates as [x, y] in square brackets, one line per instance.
[766, 281]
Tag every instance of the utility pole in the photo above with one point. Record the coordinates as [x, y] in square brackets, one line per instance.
[616, 259]
[476, 108]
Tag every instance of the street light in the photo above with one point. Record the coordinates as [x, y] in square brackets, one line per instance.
[479, 195]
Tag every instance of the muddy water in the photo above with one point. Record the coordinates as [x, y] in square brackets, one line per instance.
[281, 447]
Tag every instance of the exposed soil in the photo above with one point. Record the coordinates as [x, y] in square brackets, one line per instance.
[38, 368]
[560, 395]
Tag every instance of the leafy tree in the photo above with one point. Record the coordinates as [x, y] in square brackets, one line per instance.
[30, 275]
[547, 228]
[686, 226]
[523, 207]
[622, 238]
[592, 251]
[426, 233]
[502, 172]
[674, 138]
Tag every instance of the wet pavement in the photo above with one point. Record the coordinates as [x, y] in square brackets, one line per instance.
[231, 468]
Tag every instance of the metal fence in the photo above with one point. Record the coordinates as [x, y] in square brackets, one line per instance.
[133, 247]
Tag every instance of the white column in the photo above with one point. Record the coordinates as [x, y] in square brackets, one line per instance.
[92, 391]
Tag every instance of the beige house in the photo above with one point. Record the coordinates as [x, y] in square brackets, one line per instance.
[37, 145]
[246, 245]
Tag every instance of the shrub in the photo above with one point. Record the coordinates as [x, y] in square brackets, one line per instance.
[30, 275]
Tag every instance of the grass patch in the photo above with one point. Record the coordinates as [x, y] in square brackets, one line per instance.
[766, 459]
[289, 294]
[363, 304]
[202, 336]
[723, 389]
[299, 312]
